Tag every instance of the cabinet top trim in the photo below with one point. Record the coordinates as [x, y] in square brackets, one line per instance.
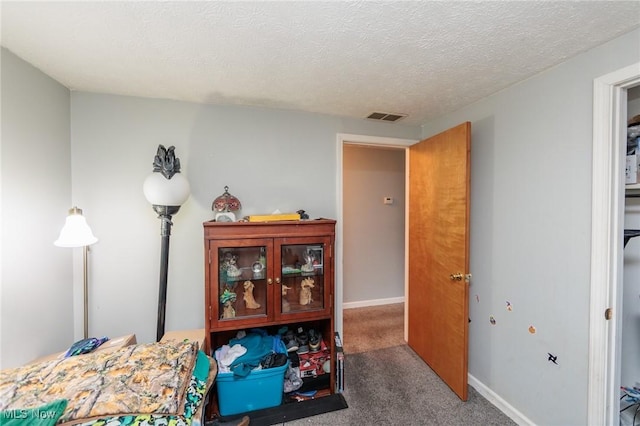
[290, 228]
[274, 223]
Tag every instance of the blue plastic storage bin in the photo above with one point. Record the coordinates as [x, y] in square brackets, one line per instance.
[260, 389]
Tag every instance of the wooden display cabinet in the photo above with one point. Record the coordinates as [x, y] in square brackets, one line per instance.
[269, 275]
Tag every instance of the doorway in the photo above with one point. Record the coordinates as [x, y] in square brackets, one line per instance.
[344, 139]
[630, 327]
[437, 182]
[607, 211]
[373, 214]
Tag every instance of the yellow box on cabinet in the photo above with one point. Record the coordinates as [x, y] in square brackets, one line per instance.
[273, 217]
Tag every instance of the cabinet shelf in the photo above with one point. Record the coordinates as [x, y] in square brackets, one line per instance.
[301, 274]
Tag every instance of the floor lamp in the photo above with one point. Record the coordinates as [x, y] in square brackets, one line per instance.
[76, 233]
[166, 189]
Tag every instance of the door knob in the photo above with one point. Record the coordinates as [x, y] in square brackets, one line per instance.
[459, 276]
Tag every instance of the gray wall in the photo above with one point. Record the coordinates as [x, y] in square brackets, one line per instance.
[373, 270]
[36, 291]
[531, 155]
[270, 159]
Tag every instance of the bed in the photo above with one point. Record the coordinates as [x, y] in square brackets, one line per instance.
[143, 384]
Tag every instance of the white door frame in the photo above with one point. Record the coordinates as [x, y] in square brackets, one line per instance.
[343, 139]
[607, 215]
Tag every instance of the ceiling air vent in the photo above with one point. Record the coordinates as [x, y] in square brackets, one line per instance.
[386, 116]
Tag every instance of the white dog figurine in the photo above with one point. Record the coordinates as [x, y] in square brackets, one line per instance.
[248, 296]
[305, 293]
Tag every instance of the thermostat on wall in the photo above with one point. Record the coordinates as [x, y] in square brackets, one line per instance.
[387, 200]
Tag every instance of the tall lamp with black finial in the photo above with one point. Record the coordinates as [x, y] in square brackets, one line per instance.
[166, 189]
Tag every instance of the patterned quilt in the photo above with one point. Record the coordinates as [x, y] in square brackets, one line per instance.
[142, 379]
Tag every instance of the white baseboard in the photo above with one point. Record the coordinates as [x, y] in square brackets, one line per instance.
[500, 403]
[374, 302]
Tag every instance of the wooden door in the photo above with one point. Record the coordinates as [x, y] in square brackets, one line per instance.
[439, 170]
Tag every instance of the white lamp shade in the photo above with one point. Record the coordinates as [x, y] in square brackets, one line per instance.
[76, 232]
[161, 191]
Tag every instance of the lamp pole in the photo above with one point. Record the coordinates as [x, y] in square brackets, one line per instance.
[85, 285]
[164, 214]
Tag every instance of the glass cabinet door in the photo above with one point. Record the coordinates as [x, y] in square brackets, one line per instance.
[242, 282]
[304, 286]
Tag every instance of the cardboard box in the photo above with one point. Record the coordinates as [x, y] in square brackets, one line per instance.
[312, 363]
[109, 345]
[196, 335]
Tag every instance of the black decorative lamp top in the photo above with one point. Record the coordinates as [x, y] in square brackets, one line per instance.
[166, 162]
[166, 186]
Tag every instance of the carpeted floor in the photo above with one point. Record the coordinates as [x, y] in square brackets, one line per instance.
[386, 383]
[393, 386]
[371, 328]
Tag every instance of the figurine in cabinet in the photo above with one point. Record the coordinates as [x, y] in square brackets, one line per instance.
[248, 296]
[228, 298]
[230, 267]
[285, 302]
[305, 293]
[307, 268]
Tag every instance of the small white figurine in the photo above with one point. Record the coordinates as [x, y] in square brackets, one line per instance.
[229, 264]
[248, 296]
[305, 294]
[308, 266]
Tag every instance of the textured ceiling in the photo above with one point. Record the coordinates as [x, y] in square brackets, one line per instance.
[349, 58]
